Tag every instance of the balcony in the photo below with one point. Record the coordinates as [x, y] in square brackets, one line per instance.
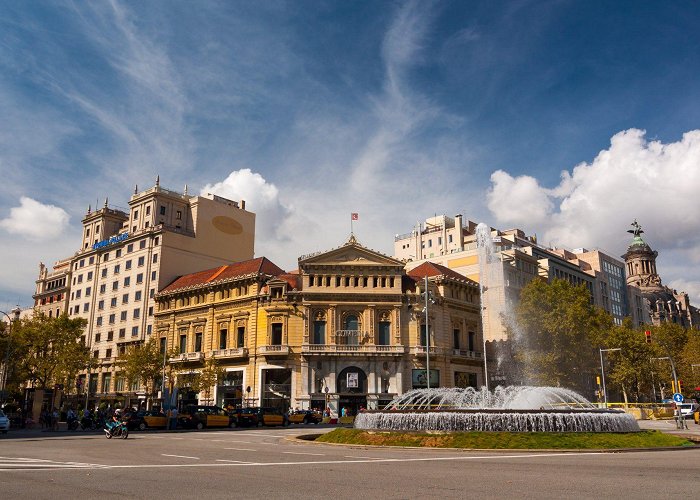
[236, 352]
[463, 353]
[420, 349]
[188, 357]
[273, 350]
[343, 349]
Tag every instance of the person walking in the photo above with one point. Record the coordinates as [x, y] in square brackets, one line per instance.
[172, 421]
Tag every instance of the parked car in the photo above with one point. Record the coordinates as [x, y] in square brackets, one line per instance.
[4, 422]
[305, 417]
[199, 417]
[270, 416]
[688, 408]
[143, 420]
[243, 417]
[155, 420]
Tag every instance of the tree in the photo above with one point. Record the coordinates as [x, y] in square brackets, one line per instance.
[690, 362]
[48, 351]
[143, 363]
[555, 334]
[208, 377]
[631, 368]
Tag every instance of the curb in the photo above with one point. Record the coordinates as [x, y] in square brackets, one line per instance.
[306, 439]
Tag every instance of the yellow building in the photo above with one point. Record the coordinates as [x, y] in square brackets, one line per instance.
[344, 331]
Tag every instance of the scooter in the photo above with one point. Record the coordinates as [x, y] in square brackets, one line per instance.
[116, 429]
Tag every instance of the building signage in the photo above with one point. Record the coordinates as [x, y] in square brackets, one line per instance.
[420, 379]
[351, 333]
[110, 241]
[353, 379]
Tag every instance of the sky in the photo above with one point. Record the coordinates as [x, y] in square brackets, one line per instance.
[567, 119]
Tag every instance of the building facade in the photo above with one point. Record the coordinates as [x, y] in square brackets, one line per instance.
[347, 330]
[661, 303]
[125, 257]
[53, 289]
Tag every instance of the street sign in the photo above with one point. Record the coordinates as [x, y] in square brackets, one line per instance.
[678, 397]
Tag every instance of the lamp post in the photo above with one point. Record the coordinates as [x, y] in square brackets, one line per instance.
[679, 417]
[602, 372]
[5, 367]
[427, 336]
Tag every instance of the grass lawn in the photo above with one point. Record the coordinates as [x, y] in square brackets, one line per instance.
[507, 440]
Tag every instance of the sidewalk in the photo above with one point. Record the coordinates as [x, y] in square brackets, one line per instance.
[670, 427]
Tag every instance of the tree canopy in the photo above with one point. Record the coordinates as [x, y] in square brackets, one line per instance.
[554, 334]
[48, 351]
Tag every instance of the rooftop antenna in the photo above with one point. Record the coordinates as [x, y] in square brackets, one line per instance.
[185, 190]
[136, 188]
[158, 181]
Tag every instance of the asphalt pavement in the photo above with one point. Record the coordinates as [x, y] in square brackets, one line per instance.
[269, 463]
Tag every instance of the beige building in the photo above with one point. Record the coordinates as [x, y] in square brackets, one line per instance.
[126, 256]
[52, 289]
[452, 243]
[346, 330]
[661, 303]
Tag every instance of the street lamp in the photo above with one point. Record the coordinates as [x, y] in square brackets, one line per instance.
[15, 313]
[679, 421]
[602, 372]
[427, 332]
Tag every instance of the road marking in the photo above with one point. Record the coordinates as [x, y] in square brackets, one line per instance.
[240, 449]
[234, 461]
[366, 458]
[29, 464]
[302, 453]
[317, 462]
[179, 456]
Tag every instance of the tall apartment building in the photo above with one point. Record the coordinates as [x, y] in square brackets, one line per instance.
[52, 289]
[452, 243]
[347, 330]
[125, 257]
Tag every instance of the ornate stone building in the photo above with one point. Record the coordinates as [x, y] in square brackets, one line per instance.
[663, 304]
[345, 330]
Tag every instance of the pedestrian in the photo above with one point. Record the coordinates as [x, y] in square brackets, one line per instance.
[172, 422]
[343, 412]
[54, 419]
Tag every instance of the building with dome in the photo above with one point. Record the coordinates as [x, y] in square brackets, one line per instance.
[662, 303]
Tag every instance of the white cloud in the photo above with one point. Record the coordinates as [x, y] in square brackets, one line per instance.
[593, 206]
[35, 221]
[518, 200]
[261, 197]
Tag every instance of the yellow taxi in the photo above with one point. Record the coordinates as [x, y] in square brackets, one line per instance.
[270, 416]
[154, 420]
[199, 417]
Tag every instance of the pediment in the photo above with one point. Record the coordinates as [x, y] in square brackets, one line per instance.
[350, 254]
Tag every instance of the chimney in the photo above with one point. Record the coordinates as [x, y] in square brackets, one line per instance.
[243, 204]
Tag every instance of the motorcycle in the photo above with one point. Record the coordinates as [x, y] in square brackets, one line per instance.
[73, 424]
[116, 429]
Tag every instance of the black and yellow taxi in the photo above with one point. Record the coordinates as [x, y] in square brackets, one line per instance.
[305, 417]
[200, 416]
[269, 416]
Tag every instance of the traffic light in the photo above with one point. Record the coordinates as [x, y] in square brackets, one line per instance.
[647, 335]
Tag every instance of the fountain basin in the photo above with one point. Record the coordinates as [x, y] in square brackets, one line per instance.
[497, 420]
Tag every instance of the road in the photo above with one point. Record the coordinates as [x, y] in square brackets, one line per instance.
[264, 463]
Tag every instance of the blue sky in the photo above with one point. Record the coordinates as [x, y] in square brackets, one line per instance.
[566, 118]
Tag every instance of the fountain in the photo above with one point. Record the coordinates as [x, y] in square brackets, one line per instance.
[512, 408]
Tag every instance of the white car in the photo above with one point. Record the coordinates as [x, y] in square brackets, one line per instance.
[688, 407]
[4, 422]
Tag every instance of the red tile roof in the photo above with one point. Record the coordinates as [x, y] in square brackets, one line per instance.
[261, 265]
[431, 269]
